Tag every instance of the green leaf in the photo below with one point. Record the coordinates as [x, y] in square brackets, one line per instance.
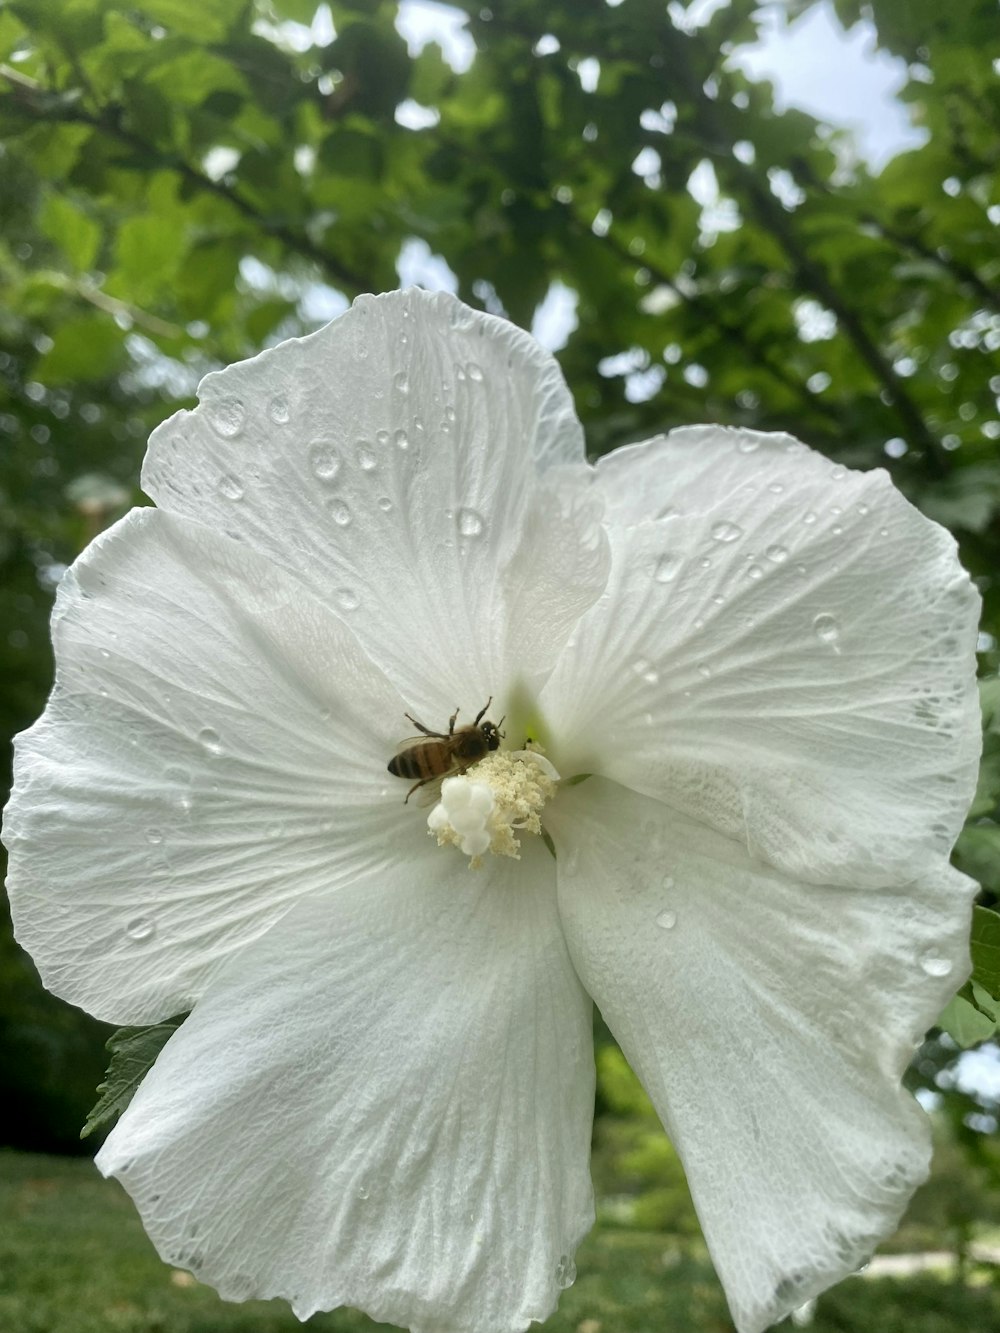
[133, 1054]
[77, 235]
[84, 349]
[965, 1023]
[986, 950]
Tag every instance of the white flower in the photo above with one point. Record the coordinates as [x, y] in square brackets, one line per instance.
[383, 1094]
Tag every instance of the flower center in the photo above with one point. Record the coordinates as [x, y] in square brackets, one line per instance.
[490, 806]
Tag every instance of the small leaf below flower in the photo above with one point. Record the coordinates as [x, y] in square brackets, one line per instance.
[133, 1053]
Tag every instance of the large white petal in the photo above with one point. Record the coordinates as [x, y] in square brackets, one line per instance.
[214, 748]
[385, 1103]
[785, 650]
[770, 1023]
[391, 461]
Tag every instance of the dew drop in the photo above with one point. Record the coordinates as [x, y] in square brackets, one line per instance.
[726, 532]
[755, 572]
[401, 382]
[809, 517]
[565, 1271]
[470, 524]
[230, 487]
[363, 1191]
[838, 472]
[883, 532]
[776, 554]
[474, 372]
[826, 628]
[645, 671]
[367, 460]
[209, 741]
[154, 836]
[347, 599]
[934, 965]
[140, 929]
[776, 488]
[381, 439]
[666, 920]
[748, 446]
[837, 530]
[278, 410]
[228, 416]
[705, 671]
[667, 568]
[340, 513]
[863, 510]
[400, 439]
[324, 462]
[384, 503]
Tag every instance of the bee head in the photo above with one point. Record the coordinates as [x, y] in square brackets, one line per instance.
[492, 734]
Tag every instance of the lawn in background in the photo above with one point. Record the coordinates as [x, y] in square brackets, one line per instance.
[74, 1259]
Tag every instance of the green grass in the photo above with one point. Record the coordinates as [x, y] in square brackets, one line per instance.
[74, 1259]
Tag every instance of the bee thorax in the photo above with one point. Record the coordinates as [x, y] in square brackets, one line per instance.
[491, 806]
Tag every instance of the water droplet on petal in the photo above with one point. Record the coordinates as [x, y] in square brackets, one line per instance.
[645, 671]
[140, 929]
[934, 965]
[748, 446]
[324, 462]
[347, 599]
[154, 836]
[278, 410]
[230, 487]
[367, 459]
[470, 524]
[776, 488]
[838, 472]
[228, 416]
[809, 517]
[565, 1271]
[704, 671]
[726, 532]
[777, 554]
[667, 568]
[666, 920]
[209, 741]
[384, 503]
[400, 439]
[474, 372]
[340, 513]
[826, 628]
[363, 1191]
[755, 572]
[401, 382]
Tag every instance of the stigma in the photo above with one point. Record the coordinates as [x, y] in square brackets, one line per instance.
[493, 804]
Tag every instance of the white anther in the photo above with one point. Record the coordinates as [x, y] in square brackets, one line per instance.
[499, 800]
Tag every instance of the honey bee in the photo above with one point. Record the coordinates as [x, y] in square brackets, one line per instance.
[436, 754]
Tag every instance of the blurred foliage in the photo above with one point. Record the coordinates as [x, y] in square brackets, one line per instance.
[74, 1258]
[184, 181]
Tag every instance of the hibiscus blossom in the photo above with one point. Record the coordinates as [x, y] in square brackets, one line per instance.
[735, 686]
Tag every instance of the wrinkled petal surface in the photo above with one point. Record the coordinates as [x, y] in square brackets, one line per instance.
[785, 651]
[215, 748]
[385, 1102]
[391, 463]
[770, 1022]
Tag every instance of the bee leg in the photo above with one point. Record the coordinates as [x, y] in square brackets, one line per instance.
[421, 783]
[451, 722]
[438, 735]
[482, 712]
